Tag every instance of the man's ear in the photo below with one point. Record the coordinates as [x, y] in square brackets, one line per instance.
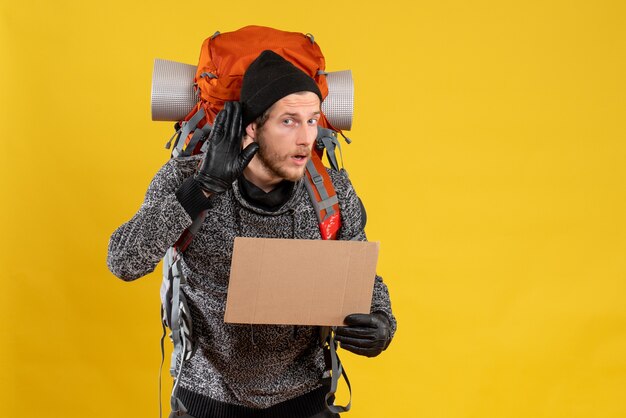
[251, 131]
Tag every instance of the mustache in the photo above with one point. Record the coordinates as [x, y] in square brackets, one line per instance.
[306, 151]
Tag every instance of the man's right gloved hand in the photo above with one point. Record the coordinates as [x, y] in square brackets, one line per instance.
[224, 160]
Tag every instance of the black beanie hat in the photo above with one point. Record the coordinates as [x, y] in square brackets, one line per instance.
[268, 79]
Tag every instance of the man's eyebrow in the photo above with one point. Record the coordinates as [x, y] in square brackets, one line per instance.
[296, 114]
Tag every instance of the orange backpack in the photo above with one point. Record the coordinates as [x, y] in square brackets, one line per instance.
[224, 58]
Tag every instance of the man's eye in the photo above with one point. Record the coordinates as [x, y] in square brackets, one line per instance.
[288, 122]
[312, 121]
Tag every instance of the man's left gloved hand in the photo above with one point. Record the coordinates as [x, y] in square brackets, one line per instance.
[364, 334]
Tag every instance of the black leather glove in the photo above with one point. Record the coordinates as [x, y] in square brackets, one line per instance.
[224, 160]
[365, 334]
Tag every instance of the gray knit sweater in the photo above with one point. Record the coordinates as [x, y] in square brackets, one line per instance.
[255, 366]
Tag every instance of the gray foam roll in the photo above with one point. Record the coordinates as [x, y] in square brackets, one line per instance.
[173, 95]
[339, 104]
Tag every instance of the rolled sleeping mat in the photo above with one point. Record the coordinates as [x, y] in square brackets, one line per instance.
[173, 95]
[339, 104]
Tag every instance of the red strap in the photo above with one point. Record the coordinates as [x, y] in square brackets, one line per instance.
[329, 225]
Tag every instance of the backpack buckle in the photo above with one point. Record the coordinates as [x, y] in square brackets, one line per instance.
[317, 180]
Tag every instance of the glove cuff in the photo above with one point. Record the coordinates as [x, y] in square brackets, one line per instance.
[211, 184]
[192, 198]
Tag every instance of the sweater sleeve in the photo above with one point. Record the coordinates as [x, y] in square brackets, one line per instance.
[352, 228]
[137, 246]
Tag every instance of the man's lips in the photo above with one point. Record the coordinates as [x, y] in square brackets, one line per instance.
[299, 159]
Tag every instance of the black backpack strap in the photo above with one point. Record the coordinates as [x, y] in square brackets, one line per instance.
[333, 364]
[327, 139]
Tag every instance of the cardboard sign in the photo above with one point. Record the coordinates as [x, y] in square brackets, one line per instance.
[299, 282]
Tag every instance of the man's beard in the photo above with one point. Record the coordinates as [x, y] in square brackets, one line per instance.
[272, 162]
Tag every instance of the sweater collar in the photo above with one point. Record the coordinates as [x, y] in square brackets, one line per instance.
[295, 192]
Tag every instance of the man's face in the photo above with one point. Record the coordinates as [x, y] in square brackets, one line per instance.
[287, 137]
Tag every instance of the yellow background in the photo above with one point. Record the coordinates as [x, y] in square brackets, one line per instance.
[488, 149]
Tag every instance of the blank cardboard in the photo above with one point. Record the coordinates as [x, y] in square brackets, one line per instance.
[299, 282]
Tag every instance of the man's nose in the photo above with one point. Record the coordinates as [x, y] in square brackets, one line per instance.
[306, 135]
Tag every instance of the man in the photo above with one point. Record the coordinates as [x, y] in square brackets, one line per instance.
[250, 180]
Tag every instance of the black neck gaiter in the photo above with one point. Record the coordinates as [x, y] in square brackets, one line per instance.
[271, 201]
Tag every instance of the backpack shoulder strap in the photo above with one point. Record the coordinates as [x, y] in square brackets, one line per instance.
[323, 197]
[175, 313]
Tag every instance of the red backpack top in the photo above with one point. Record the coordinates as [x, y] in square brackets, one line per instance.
[224, 59]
